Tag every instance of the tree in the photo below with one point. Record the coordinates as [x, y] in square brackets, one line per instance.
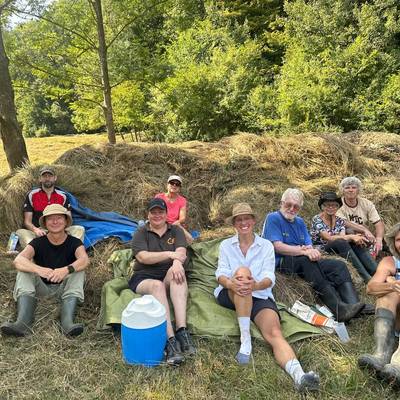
[338, 60]
[105, 78]
[89, 46]
[10, 131]
[213, 70]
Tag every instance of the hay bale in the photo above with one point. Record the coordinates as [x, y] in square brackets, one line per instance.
[288, 289]
[244, 167]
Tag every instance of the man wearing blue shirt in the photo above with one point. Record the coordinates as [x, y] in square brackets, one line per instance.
[296, 256]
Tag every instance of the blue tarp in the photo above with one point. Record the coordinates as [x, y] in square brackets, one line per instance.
[100, 225]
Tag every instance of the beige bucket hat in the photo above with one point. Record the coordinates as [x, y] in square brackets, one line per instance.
[53, 209]
[240, 209]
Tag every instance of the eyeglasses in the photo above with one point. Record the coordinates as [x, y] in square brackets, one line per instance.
[331, 205]
[174, 183]
[291, 206]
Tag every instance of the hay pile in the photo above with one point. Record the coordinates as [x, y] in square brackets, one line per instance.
[244, 167]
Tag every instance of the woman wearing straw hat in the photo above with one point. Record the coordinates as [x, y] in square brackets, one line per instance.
[50, 265]
[328, 232]
[385, 285]
[176, 205]
[246, 275]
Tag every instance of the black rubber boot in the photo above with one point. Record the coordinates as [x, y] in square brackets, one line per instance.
[26, 306]
[349, 295]
[343, 312]
[384, 341]
[68, 307]
[358, 265]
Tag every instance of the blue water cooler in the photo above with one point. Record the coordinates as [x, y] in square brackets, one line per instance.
[144, 331]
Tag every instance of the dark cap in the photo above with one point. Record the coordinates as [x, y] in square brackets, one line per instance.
[160, 203]
[46, 169]
[329, 196]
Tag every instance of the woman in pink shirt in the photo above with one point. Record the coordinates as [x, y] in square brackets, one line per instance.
[176, 204]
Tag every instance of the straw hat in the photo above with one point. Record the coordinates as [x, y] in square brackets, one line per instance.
[54, 209]
[240, 209]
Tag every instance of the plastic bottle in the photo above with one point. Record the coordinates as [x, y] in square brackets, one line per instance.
[12, 242]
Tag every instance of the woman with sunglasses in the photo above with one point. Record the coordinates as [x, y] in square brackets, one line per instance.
[328, 233]
[176, 204]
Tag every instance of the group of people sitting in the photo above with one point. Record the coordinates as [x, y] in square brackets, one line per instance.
[53, 263]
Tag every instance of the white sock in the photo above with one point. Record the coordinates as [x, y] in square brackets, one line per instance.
[245, 337]
[294, 369]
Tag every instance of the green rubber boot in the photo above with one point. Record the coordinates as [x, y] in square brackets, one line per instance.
[26, 306]
[384, 342]
[68, 307]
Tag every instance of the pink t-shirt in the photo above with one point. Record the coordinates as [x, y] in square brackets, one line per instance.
[173, 207]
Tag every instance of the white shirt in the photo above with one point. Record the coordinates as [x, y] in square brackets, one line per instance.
[260, 259]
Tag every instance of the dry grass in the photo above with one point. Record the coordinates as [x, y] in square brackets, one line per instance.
[244, 167]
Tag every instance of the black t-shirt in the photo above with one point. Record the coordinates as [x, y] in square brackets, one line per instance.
[147, 240]
[54, 256]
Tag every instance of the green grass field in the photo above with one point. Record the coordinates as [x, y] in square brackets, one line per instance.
[49, 366]
[48, 149]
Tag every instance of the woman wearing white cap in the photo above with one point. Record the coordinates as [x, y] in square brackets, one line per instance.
[246, 276]
[176, 204]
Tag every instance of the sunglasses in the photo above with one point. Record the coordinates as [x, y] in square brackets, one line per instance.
[174, 183]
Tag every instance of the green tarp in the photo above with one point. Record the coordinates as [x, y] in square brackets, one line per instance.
[205, 316]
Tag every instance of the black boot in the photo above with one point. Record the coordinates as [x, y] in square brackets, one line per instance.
[358, 265]
[349, 295]
[26, 306]
[384, 341]
[68, 307]
[342, 312]
[173, 352]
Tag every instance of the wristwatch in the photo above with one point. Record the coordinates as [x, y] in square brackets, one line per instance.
[71, 269]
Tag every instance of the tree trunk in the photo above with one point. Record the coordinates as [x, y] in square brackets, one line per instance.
[102, 51]
[10, 131]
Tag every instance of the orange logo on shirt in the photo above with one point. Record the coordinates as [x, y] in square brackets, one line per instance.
[171, 240]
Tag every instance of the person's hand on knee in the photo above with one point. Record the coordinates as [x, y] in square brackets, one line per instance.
[178, 272]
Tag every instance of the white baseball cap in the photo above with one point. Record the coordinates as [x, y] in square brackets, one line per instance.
[175, 178]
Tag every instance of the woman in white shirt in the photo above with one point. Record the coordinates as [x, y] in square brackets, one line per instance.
[246, 275]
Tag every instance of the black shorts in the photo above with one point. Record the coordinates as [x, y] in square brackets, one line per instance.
[139, 277]
[224, 300]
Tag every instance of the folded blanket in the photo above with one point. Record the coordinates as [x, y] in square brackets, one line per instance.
[205, 317]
